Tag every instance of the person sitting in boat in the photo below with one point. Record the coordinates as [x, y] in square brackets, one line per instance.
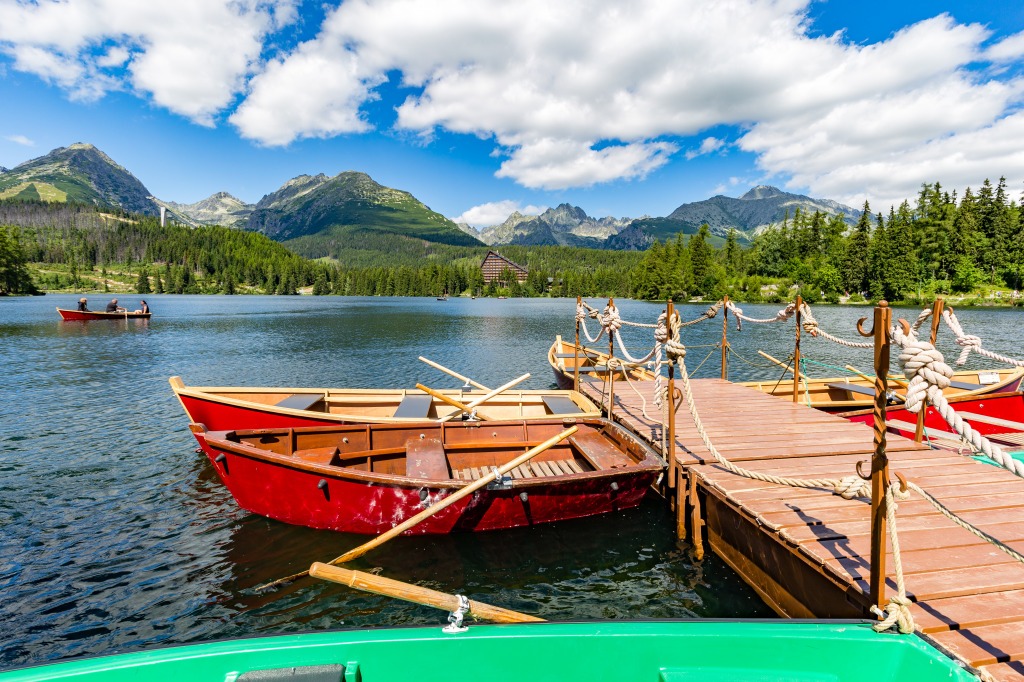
[144, 308]
[112, 307]
[81, 306]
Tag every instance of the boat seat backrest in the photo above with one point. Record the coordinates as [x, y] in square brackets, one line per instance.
[853, 388]
[560, 404]
[425, 458]
[300, 401]
[414, 407]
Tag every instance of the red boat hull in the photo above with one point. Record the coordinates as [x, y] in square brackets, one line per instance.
[1007, 405]
[79, 315]
[217, 416]
[297, 497]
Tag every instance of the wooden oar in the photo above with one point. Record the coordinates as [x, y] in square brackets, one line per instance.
[780, 363]
[485, 398]
[454, 374]
[453, 402]
[901, 384]
[367, 582]
[434, 508]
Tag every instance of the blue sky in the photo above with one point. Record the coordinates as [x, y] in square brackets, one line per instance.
[479, 107]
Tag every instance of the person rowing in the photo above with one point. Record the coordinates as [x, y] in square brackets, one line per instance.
[112, 307]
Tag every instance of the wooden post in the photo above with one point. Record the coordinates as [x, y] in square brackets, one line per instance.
[670, 441]
[611, 374]
[796, 353]
[880, 461]
[576, 351]
[936, 316]
[725, 341]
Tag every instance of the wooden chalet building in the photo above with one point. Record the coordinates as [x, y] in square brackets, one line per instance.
[494, 264]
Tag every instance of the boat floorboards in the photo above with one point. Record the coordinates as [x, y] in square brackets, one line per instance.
[807, 551]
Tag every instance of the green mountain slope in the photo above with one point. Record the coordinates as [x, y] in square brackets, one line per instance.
[350, 205]
[79, 173]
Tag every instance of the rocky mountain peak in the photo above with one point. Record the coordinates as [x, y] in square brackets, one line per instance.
[762, 192]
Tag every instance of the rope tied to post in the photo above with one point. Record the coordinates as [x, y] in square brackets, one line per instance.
[811, 326]
[897, 611]
[925, 366]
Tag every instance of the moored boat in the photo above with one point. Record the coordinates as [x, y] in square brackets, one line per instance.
[245, 407]
[369, 478]
[999, 417]
[593, 365]
[857, 392]
[97, 315]
[638, 651]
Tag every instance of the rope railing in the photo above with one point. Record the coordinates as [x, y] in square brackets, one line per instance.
[970, 342]
[926, 373]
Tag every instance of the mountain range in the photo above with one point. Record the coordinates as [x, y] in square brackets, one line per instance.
[315, 214]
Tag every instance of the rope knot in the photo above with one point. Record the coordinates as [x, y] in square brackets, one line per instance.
[968, 342]
[897, 613]
[925, 369]
[661, 331]
[849, 487]
[610, 320]
[675, 350]
[786, 312]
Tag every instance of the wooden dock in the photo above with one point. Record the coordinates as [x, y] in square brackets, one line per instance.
[807, 551]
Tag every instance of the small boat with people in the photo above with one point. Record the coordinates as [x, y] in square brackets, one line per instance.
[367, 478]
[248, 407]
[567, 359]
[97, 315]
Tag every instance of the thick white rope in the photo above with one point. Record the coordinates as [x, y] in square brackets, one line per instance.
[897, 611]
[810, 325]
[781, 316]
[927, 375]
[970, 342]
[847, 487]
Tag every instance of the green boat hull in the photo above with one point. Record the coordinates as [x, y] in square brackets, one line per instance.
[623, 651]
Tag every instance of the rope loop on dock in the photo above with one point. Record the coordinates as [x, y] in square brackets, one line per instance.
[924, 366]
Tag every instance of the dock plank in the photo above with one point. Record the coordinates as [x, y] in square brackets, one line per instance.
[968, 596]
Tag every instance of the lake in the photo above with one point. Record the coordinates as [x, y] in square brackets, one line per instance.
[115, 535]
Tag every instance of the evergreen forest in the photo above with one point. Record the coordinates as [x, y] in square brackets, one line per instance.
[941, 245]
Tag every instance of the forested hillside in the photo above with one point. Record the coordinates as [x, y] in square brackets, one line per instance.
[942, 245]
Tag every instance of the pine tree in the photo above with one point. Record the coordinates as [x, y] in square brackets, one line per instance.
[142, 285]
[856, 257]
[700, 257]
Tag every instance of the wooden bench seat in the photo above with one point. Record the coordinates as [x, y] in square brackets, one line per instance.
[414, 407]
[300, 401]
[853, 388]
[425, 458]
[317, 455]
[597, 450]
[965, 385]
[560, 404]
[563, 467]
[996, 421]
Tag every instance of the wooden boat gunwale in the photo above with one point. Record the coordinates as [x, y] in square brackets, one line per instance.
[221, 441]
[818, 388]
[524, 397]
[637, 372]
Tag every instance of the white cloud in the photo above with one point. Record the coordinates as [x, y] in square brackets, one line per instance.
[707, 145]
[496, 212]
[190, 56]
[20, 139]
[582, 92]
[571, 93]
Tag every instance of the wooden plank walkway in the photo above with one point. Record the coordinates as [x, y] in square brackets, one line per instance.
[807, 551]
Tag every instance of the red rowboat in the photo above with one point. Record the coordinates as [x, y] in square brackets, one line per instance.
[96, 315]
[369, 478]
[999, 417]
[246, 407]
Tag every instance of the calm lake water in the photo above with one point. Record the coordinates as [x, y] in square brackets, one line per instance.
[115, 535]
